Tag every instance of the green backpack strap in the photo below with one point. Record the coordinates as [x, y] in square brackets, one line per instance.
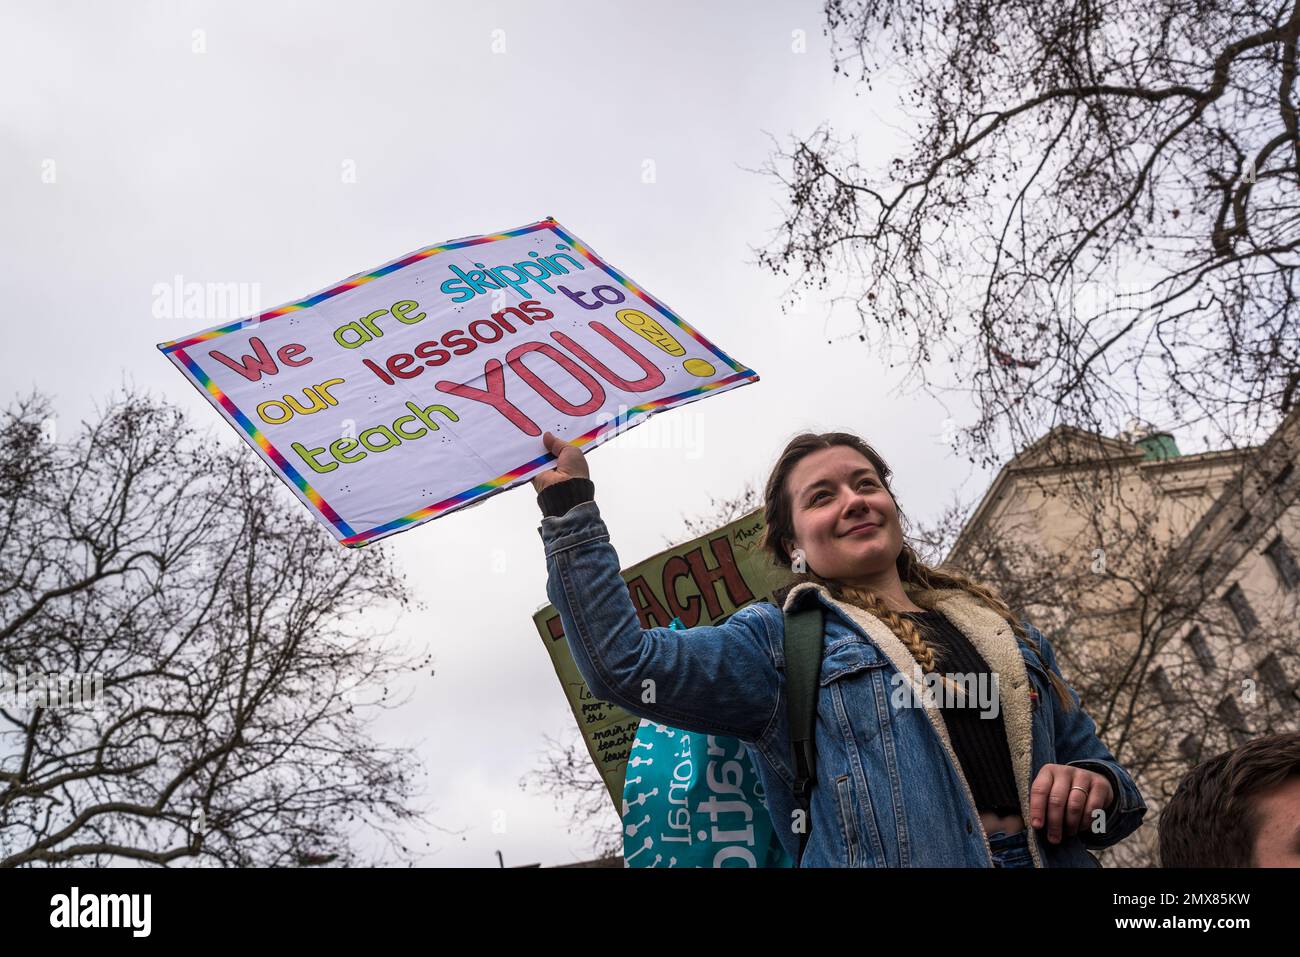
[803, 658]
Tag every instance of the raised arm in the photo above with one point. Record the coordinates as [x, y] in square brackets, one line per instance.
[712, 679]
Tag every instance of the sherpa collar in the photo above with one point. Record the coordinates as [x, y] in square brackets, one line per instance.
[993, 638]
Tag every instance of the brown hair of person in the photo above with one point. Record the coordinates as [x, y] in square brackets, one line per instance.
[1211, 821]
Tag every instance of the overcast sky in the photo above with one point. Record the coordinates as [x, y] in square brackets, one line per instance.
[136, 150]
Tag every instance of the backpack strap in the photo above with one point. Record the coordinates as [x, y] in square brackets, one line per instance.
[803, 656]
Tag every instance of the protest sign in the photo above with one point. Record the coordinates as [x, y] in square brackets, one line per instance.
[701, 582]
[695, 800]
[423, 386]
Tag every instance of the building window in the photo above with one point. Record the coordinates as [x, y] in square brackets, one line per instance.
[1274, 677]
[1164, 688]
[1241, 609]
[1229, 715]
[1190, 748]
[1201, 648]
[1284, 563]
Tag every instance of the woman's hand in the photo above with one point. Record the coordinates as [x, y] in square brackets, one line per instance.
[569, 462]
[1054, 800]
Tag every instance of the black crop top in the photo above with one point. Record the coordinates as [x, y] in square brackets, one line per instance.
[980, 741]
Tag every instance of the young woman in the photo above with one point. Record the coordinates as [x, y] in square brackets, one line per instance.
[1012, 778]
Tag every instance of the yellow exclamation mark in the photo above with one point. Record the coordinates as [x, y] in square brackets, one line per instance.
[655, 334]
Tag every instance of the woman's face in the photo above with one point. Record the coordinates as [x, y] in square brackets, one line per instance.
[832, 491]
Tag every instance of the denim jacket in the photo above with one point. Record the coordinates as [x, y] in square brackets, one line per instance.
[889, 789]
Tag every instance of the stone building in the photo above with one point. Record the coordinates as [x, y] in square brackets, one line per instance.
[1168, 583]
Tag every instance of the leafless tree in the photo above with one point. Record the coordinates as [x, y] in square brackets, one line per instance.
[1093, 217]
[568, 775]
[238, 677]
[1135, 599]
[722, 511]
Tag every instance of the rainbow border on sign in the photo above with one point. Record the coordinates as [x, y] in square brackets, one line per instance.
[175, 349]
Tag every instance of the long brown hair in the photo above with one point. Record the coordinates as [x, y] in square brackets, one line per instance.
[915, 575]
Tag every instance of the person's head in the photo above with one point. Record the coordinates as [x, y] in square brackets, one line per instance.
[823, 487]
[827, 489]
[1238, 809]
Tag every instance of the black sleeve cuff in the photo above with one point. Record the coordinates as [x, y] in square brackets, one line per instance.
[557, 499]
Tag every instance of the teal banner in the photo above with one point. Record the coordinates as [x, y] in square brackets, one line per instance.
[694, 800]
